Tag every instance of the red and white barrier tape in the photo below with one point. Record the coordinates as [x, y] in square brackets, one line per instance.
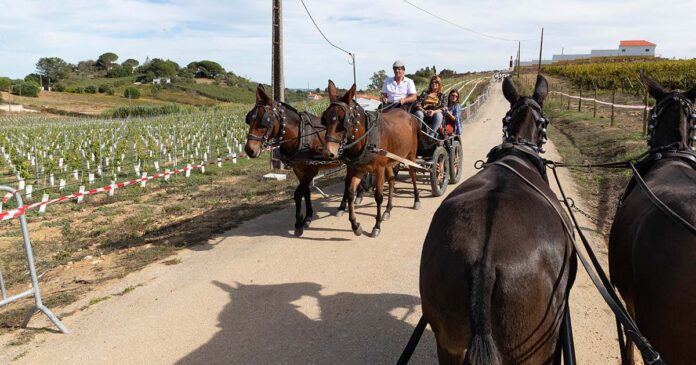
[622, 106]
[19, 211]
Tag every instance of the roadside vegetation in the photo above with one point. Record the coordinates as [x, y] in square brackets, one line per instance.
[590, 136]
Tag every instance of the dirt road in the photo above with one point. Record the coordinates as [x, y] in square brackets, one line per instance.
[260, 296]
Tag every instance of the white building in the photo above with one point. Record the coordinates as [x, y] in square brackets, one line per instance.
[637, 48]
[626, 48]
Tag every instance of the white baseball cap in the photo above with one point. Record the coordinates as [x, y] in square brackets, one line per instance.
[398, 63]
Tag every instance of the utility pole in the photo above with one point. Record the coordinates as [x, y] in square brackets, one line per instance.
[518, 58]
[541, 48]
[277, 63]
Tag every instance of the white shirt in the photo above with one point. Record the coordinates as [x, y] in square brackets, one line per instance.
[396, 91]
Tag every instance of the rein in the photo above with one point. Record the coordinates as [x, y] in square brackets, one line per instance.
[647, 157]
[594, 270]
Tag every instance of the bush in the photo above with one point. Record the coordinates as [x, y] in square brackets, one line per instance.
[60, 87]
[91, 89]
[5, 84]
[131, 92]
[106, 89]
[26, 89]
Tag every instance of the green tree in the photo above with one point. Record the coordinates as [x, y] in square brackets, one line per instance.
[130, 64]
[377, 80]
[5, 83]
[161, 67]
[26, 89]
[117, 70]
[106, 60]
[88, 66]
[205, 68]
[52, 68]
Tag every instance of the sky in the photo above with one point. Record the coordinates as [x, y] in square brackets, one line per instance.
[237, 34]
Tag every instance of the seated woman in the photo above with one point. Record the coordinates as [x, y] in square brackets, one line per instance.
[431, 105]
[453, 114]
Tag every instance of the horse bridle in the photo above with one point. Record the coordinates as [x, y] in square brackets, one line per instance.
[350, 122]
[687, 107]
[541, 123]
[271, 113]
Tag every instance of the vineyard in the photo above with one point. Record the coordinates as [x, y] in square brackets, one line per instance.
[53, 156]
[624, 76]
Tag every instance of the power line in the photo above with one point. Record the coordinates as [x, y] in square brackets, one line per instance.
[352, 56]
[320, 32]
[463, 27]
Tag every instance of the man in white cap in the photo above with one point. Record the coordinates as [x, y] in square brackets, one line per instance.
[398, 89]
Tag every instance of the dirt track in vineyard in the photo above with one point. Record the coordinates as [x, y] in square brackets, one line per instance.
[260, 296]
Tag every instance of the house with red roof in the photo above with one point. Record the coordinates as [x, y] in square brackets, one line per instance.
[637, 48]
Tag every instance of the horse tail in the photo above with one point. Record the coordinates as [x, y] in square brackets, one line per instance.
[482, 348]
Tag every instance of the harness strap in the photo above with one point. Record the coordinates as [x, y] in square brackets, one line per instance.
[659, 203]
[598, 277]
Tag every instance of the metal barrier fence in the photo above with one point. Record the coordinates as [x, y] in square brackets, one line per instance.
[34, 291]
[472, 109]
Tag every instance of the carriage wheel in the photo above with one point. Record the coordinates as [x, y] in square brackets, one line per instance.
[455, 162]
[439, 171]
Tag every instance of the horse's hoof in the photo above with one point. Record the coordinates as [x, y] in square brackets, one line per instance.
[416, 205]
[340, 212]
[358, 200]
[358, 231]
[375, 232]
[386, 216]
[306, 223]
[299, 232]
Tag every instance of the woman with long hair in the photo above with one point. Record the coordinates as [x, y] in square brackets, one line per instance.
[431, 105]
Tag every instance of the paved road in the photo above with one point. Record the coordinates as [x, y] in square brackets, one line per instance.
[260, 296]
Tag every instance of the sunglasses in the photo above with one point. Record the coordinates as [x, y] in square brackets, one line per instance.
[398, 68]
[434, 82]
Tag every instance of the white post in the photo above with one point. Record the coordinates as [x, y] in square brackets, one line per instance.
[81, 191]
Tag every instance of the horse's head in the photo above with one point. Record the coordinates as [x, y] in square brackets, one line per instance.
[672, 120]
[342, 120]
[524, 123]
[264, 122]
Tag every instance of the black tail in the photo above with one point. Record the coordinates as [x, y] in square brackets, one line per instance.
[482, 348]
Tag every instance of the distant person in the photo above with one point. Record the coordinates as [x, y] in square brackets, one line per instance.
[398, 90]
[431, 105]
[453, 113]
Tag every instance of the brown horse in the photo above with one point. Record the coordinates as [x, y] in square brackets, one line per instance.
[349, 136]
[299, 137]
[652, 257]
[497, 263]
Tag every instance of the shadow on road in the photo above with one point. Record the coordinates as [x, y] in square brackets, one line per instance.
[295, 324]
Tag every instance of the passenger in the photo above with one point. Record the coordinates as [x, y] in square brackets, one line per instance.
[398, 90]
[453, 113]
[431, 104]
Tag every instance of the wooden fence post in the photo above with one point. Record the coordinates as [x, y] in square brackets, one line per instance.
[594, 109]
[580, 100]
[613, 99]
[568, 98]
[645, 114]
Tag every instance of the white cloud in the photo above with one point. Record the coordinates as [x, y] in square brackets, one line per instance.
[237, 33]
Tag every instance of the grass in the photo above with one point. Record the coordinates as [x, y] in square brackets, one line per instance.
[96, 300]
[582, 138]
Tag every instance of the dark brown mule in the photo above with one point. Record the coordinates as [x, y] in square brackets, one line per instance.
[299, 138]
[497, 264]
[652, 258]
[395, 131]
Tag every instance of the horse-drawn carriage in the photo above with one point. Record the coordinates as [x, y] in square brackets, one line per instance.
[441, 156]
